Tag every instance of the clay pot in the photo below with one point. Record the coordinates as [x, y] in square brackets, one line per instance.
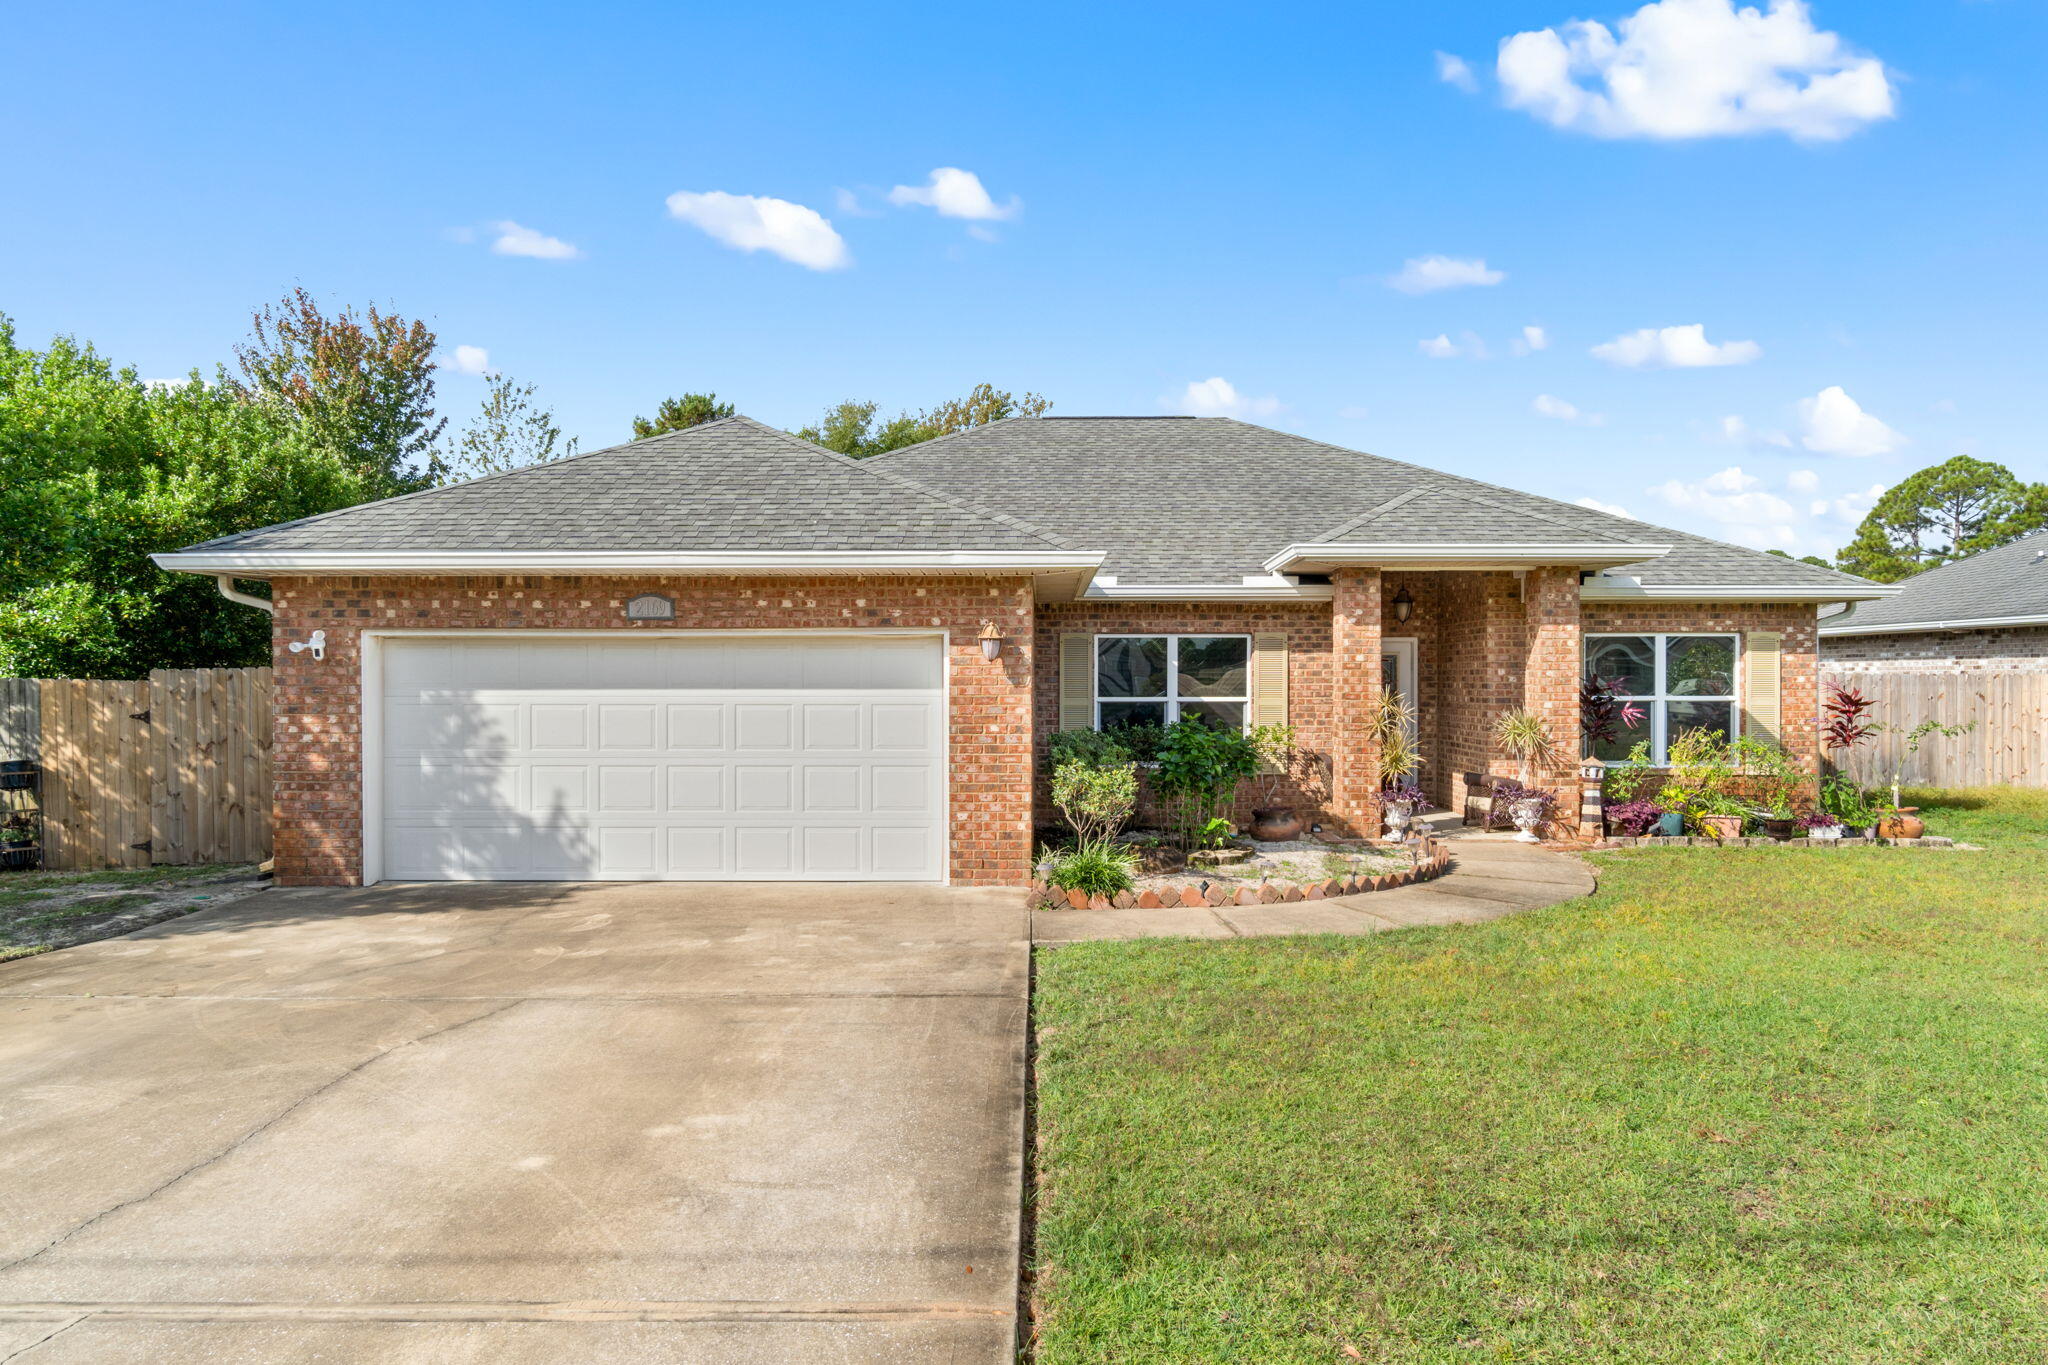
[1901, 824]
[1723, 826]
[1276, 825]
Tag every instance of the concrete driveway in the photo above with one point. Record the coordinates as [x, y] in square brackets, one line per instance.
[513, 1123]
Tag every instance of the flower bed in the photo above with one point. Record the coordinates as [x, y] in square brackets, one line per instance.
[1273, 874]
[1760, 841]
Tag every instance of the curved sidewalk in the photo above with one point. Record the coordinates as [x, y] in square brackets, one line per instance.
[1491, 875]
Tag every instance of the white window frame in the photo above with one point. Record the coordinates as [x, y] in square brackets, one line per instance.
[1172, 697]
[1660, 751]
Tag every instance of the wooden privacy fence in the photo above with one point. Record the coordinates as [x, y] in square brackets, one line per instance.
[173, 769]
[2008, 747]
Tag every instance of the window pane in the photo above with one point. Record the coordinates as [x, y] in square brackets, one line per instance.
[1627, 661]
[1616, 749]
[1213, 666]
[1718, 716]
[1225, 715]
[1131, 668]
[1119, 715]
[1699, 666]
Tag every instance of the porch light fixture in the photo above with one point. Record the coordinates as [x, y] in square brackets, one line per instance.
[1404, 605]
[991, 640]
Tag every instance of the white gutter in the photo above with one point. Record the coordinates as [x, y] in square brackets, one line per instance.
[1253, 588]
[266, 563]
[1912, 627]
[226, 583]
[1622, 589]
[1465, 554]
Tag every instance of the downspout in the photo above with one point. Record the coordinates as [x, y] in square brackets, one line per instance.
[226, 583]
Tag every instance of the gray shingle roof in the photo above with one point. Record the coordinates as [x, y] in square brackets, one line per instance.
[2011, 580]
[733, 484]
[1209, 499]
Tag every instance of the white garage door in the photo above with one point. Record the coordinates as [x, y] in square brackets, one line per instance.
[663, 758]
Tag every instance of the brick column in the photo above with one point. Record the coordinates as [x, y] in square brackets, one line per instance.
[1355, 688]
[1550, 676]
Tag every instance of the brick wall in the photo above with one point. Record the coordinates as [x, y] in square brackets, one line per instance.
[2017, 649]
[1480, 635]
[1355, 634]
[1800, 696]
[318, 761]
[1306, 624]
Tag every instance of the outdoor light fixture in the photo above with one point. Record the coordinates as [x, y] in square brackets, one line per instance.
[991, 640]
[317, 642]
[1404, 604]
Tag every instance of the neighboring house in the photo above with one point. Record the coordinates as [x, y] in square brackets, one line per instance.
[1987, 613]
[728, 653]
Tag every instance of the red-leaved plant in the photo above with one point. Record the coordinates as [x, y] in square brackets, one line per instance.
[1600, 709]
[1846, 728]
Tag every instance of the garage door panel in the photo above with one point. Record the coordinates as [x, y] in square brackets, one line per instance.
[499, 763]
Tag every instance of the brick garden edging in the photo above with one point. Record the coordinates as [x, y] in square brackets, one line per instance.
[1432, 861]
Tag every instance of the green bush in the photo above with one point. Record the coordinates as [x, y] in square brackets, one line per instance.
[1097, 801]
[1090, 748]
[1097, 869]
[1200, 766]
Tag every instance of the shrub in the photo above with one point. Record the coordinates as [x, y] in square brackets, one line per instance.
[1200, 766]
[1098, 869]
[1624, 781]
[1096, 801]
[1631, 819]
[1091, 748]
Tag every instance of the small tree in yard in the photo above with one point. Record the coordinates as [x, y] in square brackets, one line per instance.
[511, 431]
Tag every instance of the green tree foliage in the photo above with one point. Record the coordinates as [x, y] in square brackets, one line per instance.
[511, 431]
[850, 427]
[361, 385]
[99, 470]
[1814, 560]
[679, 414]
[1941, 513]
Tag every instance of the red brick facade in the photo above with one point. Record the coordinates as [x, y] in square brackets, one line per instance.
[1486, 642]
[318, 760]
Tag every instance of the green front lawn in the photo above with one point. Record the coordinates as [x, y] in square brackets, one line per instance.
[1760, 1105]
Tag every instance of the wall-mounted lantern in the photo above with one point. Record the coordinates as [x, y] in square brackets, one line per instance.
[317, 642]
[1404, 605]
[991, 640]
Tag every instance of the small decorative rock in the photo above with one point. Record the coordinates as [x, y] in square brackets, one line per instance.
[1169, 897]
[1078, 899]
[1269, 894]
[1217, 896]
[1292, 892]
[1312, 892]
[1124, 900]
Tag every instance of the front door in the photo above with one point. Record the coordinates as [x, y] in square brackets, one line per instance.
[1397, 668]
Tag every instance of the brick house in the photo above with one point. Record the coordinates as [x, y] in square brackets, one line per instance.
[725, 653]
[1984, 614]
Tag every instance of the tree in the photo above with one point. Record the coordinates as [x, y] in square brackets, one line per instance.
[1943, 512]
[1814, 560]
[850, 429]
[98, 471]
[360, 385]
[680, 414]
[511, 431]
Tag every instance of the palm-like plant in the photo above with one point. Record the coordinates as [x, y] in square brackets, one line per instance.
[1523, 736]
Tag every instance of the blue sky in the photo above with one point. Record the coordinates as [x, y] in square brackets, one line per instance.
[1199, 193]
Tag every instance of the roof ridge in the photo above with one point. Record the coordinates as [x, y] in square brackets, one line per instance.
[1363, 517]
[862, 465]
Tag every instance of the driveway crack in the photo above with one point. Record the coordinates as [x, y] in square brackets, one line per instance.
[254, 1133]
[45, 1338]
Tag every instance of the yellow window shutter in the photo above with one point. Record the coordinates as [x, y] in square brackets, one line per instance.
[1762, 686]
[1077, 681]
[1269, 678]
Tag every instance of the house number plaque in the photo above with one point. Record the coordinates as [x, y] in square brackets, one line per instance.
[651, 606]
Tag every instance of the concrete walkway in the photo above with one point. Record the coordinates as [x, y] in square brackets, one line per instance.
[1491, 875]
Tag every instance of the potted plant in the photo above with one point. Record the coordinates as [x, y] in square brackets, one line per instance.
[1720, 816]
[1902, 821]
[1632, 819]
[1274, 747]
[1392, 729]
[1402, 801]
[1777, 781]
[1671, 799]
[1847, 805]
[1523, 736]
[1820, 825]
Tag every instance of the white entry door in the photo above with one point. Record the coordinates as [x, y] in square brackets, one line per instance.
[670, 757]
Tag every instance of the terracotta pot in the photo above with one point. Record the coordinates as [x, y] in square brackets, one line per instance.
[1723, 826]
[1276, 824]
[1901, 824]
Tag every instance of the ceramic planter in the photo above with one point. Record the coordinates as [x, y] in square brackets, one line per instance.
[1527, 815]
[1276, 824]
[1398, 815]
[1671, 824]
[1825, 833]
[1901, 824]
[1723, 826]
[1780, 829]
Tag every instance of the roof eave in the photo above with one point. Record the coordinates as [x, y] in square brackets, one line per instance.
[1321, 558]
[1918, 627]
[1624, 589]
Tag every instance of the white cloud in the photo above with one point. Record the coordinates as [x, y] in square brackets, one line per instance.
[955, 194]
[1452, 69]
[1427, 274]
[1218, 397]
[1609, 508]
[1531, 339]
[1696, 68]
[467, 360]
[1677, 348]
[1548, 406]
[1803, 481]
[1733, 499]
[1441, 347]
[1833, 423]
[1737, 431]
[514, 240]
[751, 222]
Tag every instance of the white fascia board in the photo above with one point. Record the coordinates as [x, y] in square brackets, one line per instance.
[1629, 590]
[1916, 627]
[263, 563]
[1255, 591]
[1494, 554]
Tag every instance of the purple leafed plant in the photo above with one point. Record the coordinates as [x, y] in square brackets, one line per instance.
[1507, 792]
[1632, 818]
[1814, 819]
[1602, 714]
[1405, 793]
